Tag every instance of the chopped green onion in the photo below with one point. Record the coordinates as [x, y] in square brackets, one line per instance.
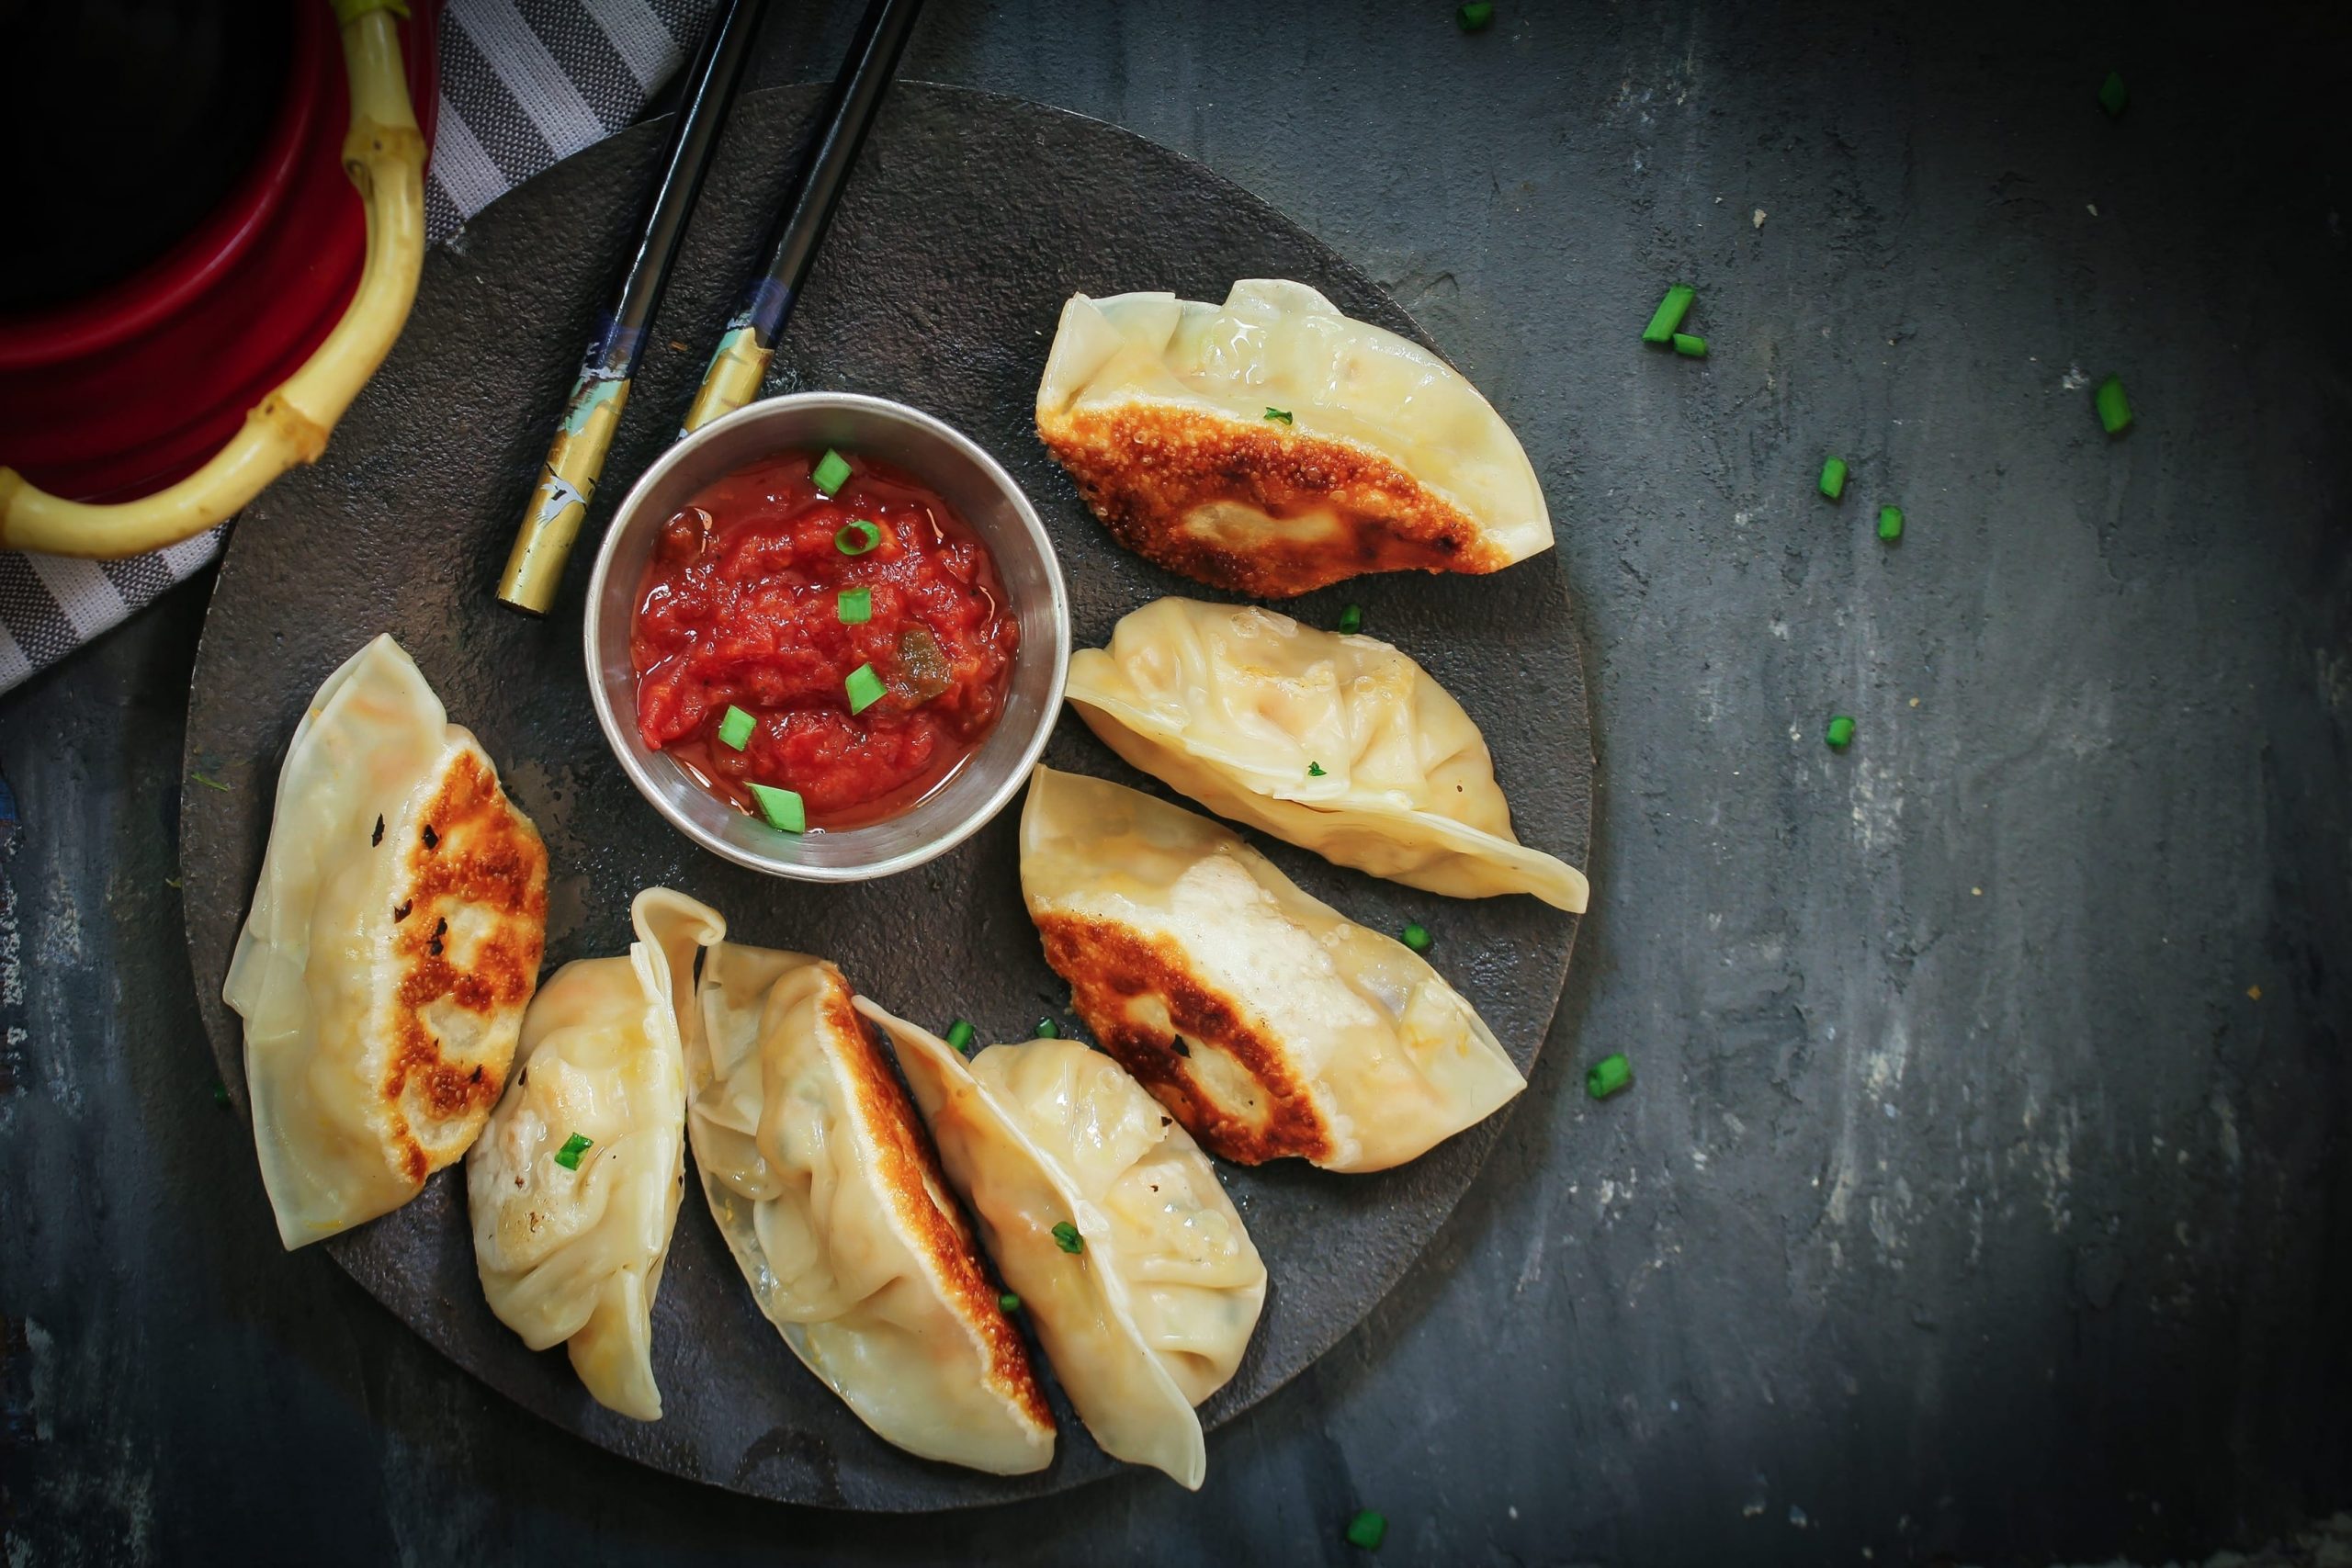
[573, 1147]
[2111, 97]
[1047, 1030]
[1008, 1302]
[856, 537]
[1840, 733]
[831, 473]
[1313, 770]
[1281, 416]
[959, 1037]
[1669, 314]
[1690, 347]
[1606, 1076]
[1368, 1529]
[1417, 937]
[854, 606]
[1351, 619]
[1833, 478]
[782, 808]
[209, 784]
[2114, 412]
[1066, 1236]
[1890, 522]
[1474, 17]
[864, 688]
[220, 1092]
[735, 729]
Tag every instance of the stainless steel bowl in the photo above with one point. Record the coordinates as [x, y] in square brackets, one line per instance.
[981, 490]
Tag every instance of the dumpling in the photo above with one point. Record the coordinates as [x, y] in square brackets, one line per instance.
[574, 1188]
[1266, 1021]
[1108, 1222]
[393, 942]
[1338, 744]
[826, 1188]
[1271, 446]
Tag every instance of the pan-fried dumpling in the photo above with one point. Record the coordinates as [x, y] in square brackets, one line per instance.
[1338, 744]
[828, 1193]
[1268, 1023]
[393, 942]
[574, 1188]
[1109, 1224]
[1270, 444]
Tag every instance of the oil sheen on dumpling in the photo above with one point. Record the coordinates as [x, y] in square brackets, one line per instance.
[393, 942]
[1146, 1298]
[1268, 1023]
[825, 1186]
[1338, 744]
[574, 1187]
[1271, 446]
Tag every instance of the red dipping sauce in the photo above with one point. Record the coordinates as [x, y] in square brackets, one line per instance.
[741, 606]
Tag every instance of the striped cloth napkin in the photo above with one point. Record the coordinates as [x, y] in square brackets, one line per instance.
[523, 83]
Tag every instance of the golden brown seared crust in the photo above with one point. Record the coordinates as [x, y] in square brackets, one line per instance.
[474, 851]
[909, 1172]
[1108, 967]
[1144, 469]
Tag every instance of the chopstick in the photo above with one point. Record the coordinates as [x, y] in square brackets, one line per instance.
[749, 342]
[558, 502]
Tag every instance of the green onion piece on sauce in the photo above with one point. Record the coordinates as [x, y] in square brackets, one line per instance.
[1313, 770]
[858, 536]
[1047, 1030]
[735, 729]
[2114, 410]
[1606, 1076]
[1840, 733]
[1473, 19]
[1066, 1236]
[1417, 937]
[573, 1147]
[782, 807]
[1351, 620]
[1281, 415]
[1669, 314]
[2111, 95]
[854, 606]
[1833, 478]
[1368, 1529]
[1690, 347]
[1008, 1302]
[959, 1037]
[864, 688]
[1890, 522]
[831, 473]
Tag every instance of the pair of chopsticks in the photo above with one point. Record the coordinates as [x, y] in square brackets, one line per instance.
[558, 502]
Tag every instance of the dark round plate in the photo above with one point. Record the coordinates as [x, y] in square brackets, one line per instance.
[970, 220]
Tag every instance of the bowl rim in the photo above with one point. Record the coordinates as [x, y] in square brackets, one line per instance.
[619, 740]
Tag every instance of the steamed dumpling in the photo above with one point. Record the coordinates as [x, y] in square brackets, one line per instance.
[826, 1188]
[1146, 1298]
[574, 1188]
[393, 942]
[1165, 412]
[1338, 744]
[1266, 1021]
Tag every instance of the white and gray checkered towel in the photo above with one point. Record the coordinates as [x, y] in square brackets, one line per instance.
[523, 83]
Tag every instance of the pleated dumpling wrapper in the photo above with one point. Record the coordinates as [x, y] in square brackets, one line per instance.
[574, 1188]
[1108, 1222]
[1270, 1023]
[1271, 446]
[393, 942]
[825, 1186]
[1338, 744]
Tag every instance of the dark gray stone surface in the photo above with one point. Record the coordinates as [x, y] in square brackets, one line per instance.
[2001, 1226]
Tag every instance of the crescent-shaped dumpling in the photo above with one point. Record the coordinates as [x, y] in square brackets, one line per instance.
[1338, 744]
[1271, 446]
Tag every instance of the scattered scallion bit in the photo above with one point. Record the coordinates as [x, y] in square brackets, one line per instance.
[735, 728]
[1690, 347]
[858, 536]
[1474, 17]
[2114, 409]
[171, 881]
[1890, 522]
[1313, 770]
[1669, 314]
[782, 807]
[2111, 95]
[1351, 619]
[1417, 937]
[864, 688]
[1047, 1030]
[209, 783]
[1840, 733]
[1368, 1529]
[1833, 478]
[1606, 1076]
[573, 1147]
[1280, 416]
[219, 1093]
[1008, 1302]
[959, 1036]
[831, 473]
[854, 606]
[1066, 1236]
